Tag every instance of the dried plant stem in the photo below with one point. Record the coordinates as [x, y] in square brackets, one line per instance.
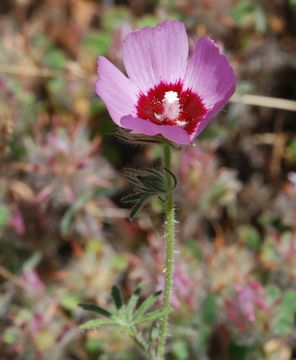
[170, 235]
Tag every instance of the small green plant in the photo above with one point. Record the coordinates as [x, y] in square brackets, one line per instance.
[128, 317]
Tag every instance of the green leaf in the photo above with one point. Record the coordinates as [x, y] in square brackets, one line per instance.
[135, 197]
[137, 207]
[175, 181]
[149, 172]
[151, 182]
[209, 308]
[10, 336]
[277, 223]
[273, 292]
[98, 42]
[134, 181]
[154, 315]
[93, 324]
[55, 59]
[284, 324]
[146, 179]
[180, 350]
[33, 261]
[70, 213]
[261, 23]
[251, 236]
[242, 12]
[96, 308]
[146, 304]
[154, 183]
[93, 346]
[134, 299]
[289, 301]
[116, 296]
[147, 20]
[69, 302]
[4, 216]
[238, 352]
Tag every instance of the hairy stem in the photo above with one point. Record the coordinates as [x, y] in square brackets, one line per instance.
[142, 344]
[168, 270]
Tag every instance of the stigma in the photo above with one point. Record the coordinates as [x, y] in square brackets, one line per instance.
[171, 105]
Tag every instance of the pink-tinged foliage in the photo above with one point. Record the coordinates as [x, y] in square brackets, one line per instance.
[166, 93]
[65, 165]
[36, 323]
[183, 294]
[244, 305]
[204, 185]
[184, 289]
[292, 179]
[16, 222]
[32, 282]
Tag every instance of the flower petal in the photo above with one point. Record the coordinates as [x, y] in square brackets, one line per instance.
[209, 116]
[116, 90]
[172, 133]
[152, 55]
[209, 74]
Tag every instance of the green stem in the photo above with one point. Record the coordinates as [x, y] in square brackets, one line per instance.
[170, 234]
[141, 342]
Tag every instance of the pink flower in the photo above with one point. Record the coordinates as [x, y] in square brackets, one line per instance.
[166, 93]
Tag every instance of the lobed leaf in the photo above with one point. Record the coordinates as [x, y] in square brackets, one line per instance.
[137, 207]
[153, 183]
[152, 316]
[146, 304]
[97, 323]
[134, 299]
[116, 296]
[96, 308]
[135, 197]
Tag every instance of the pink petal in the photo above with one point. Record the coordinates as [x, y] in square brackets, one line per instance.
[116, 90]
[210, 75]
[172, 133]
[152, 55]
[205, 121]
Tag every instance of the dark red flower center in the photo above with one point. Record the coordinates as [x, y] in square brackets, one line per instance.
[169, 104]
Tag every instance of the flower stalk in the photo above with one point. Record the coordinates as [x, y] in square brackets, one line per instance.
[169, 263]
